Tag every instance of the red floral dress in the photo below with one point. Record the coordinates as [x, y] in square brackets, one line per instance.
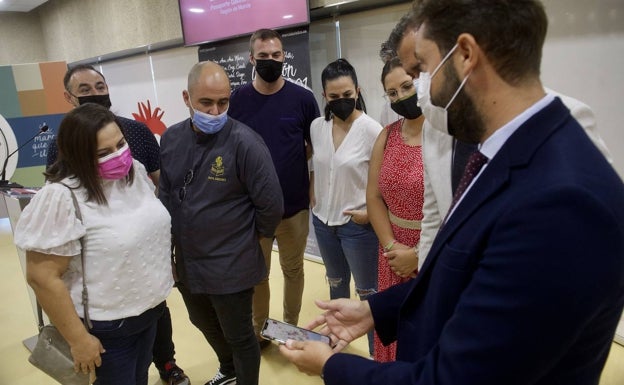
[401, 183]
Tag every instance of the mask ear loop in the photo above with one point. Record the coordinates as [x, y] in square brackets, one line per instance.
[458, 89]
[435, 71]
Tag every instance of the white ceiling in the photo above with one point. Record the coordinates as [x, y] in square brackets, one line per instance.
[19, 5]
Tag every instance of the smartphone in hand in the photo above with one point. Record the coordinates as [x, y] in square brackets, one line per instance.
[281, 332]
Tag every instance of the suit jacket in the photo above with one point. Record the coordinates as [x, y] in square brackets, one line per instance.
[438, 153]
[524, 284]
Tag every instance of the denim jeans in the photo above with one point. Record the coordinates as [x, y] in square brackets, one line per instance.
[128, 343]
[348, 249]
[225, 321]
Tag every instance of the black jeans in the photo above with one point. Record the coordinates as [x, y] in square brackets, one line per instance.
[164, 350]
[225, 321]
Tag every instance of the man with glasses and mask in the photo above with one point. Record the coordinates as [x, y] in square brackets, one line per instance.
[220, 187]
[84, 84]
[281, 112]
[524, 281]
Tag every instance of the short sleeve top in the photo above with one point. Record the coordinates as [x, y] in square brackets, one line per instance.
[127, 243]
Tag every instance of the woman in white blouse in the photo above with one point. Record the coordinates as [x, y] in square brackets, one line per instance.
[342, 141]
[126, 240]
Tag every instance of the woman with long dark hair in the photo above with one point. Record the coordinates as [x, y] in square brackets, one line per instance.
[126, 245]
[342, 141]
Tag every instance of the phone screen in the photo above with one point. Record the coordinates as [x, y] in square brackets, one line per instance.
[281, 331]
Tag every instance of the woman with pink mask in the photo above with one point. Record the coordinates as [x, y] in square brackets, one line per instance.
[124, 236]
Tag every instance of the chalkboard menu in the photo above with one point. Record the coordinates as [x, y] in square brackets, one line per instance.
[233, 55]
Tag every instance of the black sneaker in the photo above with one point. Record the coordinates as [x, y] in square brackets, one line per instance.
[172, 374]
[222, 379]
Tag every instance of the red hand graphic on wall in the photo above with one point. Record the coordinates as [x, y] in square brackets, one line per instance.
[151, 119]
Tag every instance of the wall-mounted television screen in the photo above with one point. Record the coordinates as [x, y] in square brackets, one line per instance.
[205, 21]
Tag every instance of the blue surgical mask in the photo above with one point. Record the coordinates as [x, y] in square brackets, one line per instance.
[209, 124]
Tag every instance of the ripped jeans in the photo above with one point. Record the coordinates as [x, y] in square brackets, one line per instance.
[348, 249]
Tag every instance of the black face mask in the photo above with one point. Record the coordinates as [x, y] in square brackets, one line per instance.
[407, 107]
[269, 70]
[342, 108]
[102, 100]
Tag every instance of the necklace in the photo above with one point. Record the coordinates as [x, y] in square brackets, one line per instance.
[407, 138]
[404, 137]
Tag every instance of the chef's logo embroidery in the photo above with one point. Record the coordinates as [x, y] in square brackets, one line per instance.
[217, 170]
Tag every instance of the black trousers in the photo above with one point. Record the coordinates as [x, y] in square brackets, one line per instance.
[164, 350]
[225, 321]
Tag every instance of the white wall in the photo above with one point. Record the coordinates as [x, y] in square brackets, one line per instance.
[20, 39]
[159, 77]
[590, 68]
[584, 58]
[75, 30]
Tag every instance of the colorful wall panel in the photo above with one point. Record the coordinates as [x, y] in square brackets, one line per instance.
[32, 95]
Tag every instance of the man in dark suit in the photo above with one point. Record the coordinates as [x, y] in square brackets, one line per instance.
[524, 283]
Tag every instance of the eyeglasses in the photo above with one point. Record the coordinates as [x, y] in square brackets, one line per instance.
[188, 178]
[406, 89]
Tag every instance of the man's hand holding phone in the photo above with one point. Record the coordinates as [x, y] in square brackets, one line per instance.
[344, 320]
[298, 344]
[308, 356]
[281, 332]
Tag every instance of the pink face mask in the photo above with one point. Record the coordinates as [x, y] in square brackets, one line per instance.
[116, 165]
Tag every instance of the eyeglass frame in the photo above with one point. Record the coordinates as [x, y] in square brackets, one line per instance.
[188, 178]
[393, 95]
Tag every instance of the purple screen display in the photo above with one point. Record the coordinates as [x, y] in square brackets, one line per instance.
[213, 20]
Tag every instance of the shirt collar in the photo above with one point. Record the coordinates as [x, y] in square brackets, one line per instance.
[494, 143]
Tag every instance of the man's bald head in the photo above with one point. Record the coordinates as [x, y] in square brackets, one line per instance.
[207, 71]
[208, 89]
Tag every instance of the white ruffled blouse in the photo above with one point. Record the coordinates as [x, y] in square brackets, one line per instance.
[127, 244]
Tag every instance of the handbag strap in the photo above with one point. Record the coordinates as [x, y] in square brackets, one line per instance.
[85, 293]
